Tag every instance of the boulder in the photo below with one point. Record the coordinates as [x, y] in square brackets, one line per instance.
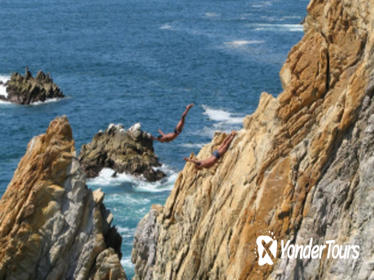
[129, 151]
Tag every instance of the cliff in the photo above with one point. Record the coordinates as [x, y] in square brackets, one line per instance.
[129, 151]
[300, 168]
[51, 225]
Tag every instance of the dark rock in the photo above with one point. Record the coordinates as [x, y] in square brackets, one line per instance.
[26, 89]
[128, 151]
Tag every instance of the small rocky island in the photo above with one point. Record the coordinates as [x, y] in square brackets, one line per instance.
[27, 89]
[129, 151]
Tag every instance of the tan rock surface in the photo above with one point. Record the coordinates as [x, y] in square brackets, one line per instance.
[51, 225]
[270, 178]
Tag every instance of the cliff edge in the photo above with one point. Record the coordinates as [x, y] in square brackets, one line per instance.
[300, 168]
[51, 225]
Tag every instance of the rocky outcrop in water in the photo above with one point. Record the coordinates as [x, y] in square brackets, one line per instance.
[129, 151]
[27, 89]
[300, 168]
[51, 225]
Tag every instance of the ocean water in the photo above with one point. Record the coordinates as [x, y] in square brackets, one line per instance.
[127, 61]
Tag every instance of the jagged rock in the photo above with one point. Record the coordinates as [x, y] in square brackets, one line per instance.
[300, 168]
[144, 251]
[128, 151]
[51, 225]
[26, 89]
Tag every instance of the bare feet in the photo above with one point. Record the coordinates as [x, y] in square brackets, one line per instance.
[233, 133]
[189, 106]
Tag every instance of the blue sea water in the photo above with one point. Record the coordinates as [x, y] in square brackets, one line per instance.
[127, 61]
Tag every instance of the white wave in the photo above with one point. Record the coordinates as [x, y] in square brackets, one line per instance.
[262, 5]
[211, 14]
[4, 79]
[224, 121]
[291, 17]
[241, 43]
[45, 102]
[218, 127]
[166, 26]
[278, 27]
[125, 198]
[125, 230]
[193, 145]
[126, 263]
[2, 102]
[32, 104]
[219, 115]
[159, 186]
[105, 179]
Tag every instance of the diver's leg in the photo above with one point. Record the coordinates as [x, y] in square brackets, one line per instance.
[180, 124]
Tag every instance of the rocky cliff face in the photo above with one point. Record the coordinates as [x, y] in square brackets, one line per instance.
[27, 89]
[51, 225]
[300, 168]
[129, 151]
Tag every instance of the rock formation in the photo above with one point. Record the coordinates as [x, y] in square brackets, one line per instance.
[51, 225]
[128, 151]
[300, 168]
[27, 89]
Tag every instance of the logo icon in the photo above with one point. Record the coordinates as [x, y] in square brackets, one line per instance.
[267, 249]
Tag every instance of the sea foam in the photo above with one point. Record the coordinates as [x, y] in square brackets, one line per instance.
[46, 102]
[5, 103]
[278, 27]
[105, 179]
[211, 14]
[262, 4]
[166, 26]
[241, 43]
[126, 232]
[219, 115]
[224, 121]
[4, 79]
[127, 264]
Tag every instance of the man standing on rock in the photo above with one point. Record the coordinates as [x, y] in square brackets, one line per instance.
[178, 129]
[216, 155]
